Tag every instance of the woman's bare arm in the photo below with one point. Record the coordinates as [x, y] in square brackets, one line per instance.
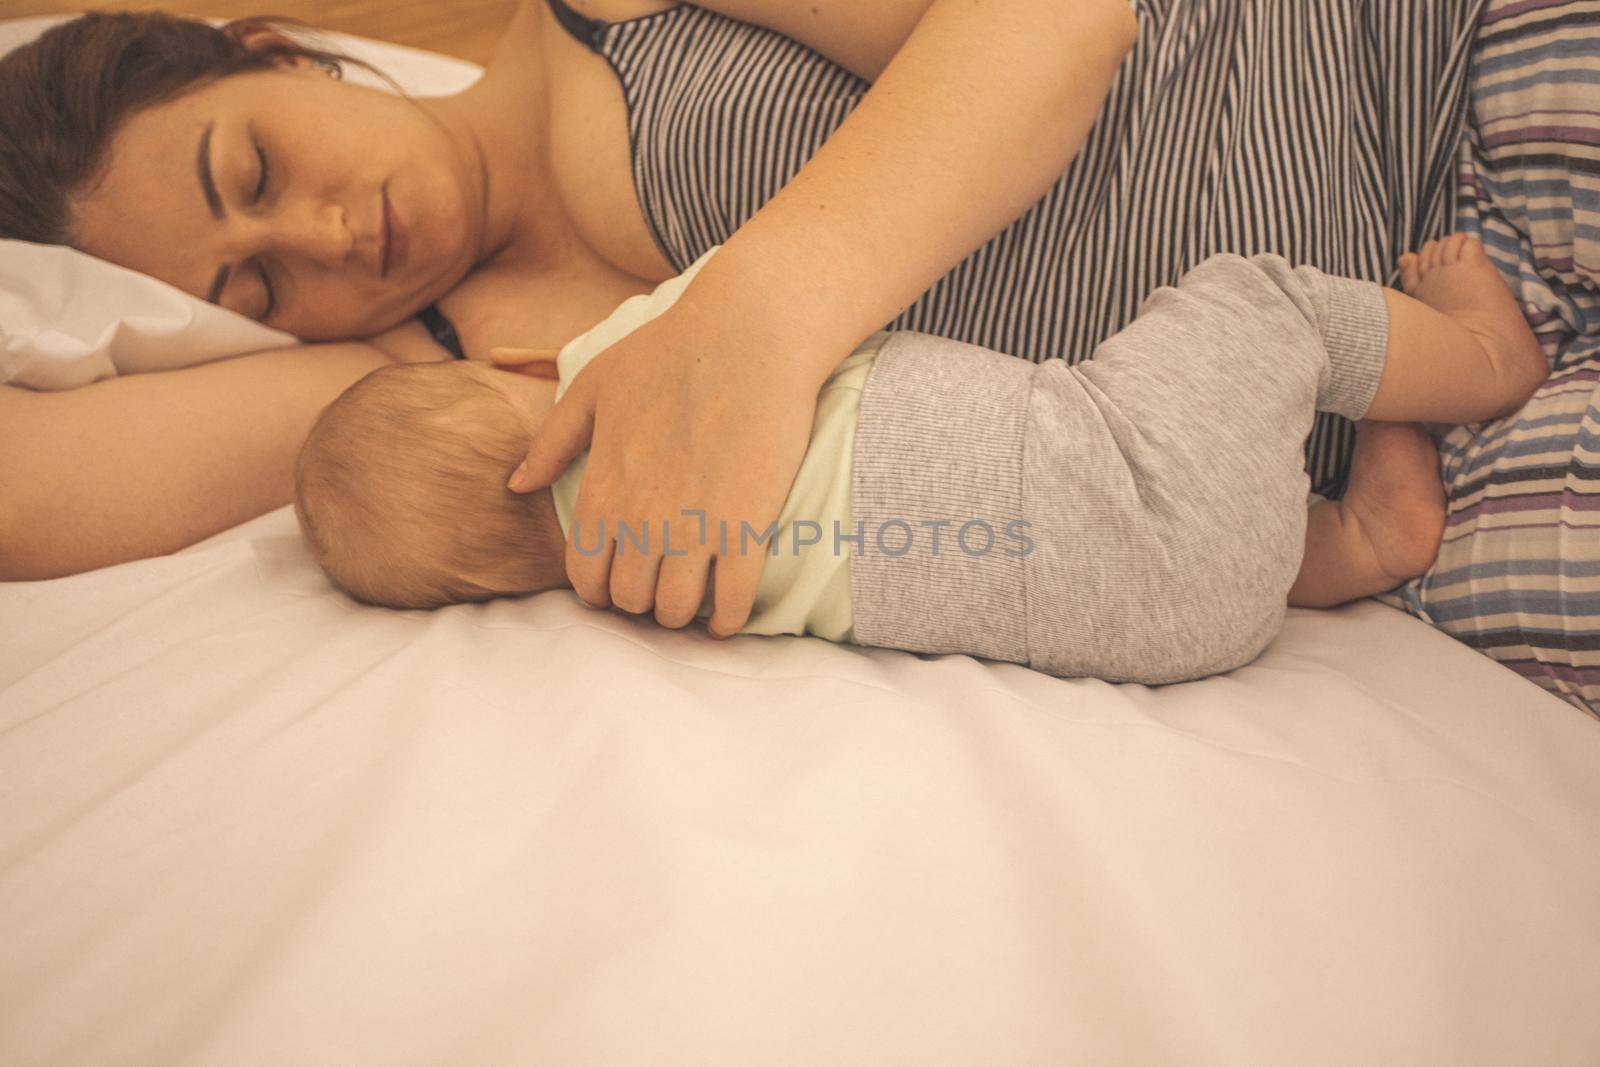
[145, 464]
[981, 110]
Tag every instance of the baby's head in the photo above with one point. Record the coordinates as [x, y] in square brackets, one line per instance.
[401, 493]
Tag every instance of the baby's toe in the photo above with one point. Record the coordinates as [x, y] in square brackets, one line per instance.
[1450, 250]
[1409, 275]
[1472, 250]
[1430, 256]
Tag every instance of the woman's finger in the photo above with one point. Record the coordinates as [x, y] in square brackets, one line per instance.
[591, 543]
[532, 362]
[738, 575]
[634, 568]
[567, 429]
[681, 587]
[508, 356]
[536, 369]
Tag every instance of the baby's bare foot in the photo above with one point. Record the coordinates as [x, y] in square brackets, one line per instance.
[1396, 496]
[1455, 276]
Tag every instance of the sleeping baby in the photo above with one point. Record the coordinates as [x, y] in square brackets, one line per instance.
[1138, 517]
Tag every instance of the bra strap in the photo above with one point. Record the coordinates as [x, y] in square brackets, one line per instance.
[587, 30]
[442, 330]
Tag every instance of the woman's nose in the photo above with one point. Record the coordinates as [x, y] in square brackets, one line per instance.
[313, 230]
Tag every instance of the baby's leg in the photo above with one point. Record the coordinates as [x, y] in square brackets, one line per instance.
[1387, 527]
[1459, 348]
[1166, 476]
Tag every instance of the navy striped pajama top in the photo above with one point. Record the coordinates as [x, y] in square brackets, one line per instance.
[1322, 130]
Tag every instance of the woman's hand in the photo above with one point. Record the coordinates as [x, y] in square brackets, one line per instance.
[696, 412]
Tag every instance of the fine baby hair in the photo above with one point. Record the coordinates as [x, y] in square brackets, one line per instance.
[400, 491]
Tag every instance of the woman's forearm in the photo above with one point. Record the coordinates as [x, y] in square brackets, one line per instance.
[145, 464]
[980, 111]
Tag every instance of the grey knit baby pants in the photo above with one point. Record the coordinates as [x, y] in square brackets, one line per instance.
[1136, 517]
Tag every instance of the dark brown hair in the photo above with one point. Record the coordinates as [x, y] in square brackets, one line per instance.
[67, 92]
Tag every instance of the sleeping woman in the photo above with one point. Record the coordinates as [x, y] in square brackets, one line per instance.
[862, 167]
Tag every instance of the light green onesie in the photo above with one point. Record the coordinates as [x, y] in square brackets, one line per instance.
[804, 589]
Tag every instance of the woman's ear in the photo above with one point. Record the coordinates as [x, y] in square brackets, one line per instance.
[275, 43]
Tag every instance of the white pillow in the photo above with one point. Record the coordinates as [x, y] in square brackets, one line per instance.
[68, 319]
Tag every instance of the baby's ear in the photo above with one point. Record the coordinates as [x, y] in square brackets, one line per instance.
[534, 362]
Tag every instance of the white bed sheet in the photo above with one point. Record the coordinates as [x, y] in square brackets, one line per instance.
[246, 821]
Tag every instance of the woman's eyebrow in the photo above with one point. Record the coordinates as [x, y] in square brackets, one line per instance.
[202, 165]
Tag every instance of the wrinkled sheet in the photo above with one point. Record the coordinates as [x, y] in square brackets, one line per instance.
[244, 820]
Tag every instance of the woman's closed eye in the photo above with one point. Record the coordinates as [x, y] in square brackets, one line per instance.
[261, 185]
[266, 283]
[272, 297]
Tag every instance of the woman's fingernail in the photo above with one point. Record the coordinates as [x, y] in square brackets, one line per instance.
[519, 479]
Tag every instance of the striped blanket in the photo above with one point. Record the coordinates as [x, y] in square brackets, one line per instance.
[1518, 575]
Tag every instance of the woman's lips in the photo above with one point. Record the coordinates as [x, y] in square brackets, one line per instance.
[395, 240]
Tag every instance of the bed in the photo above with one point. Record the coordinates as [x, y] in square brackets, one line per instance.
[244, 820]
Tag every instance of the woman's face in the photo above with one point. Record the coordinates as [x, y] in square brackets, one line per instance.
[265, 193]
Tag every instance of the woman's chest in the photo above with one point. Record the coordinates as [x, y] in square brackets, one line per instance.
[524, 307]
[600, 249]
[591, 147]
